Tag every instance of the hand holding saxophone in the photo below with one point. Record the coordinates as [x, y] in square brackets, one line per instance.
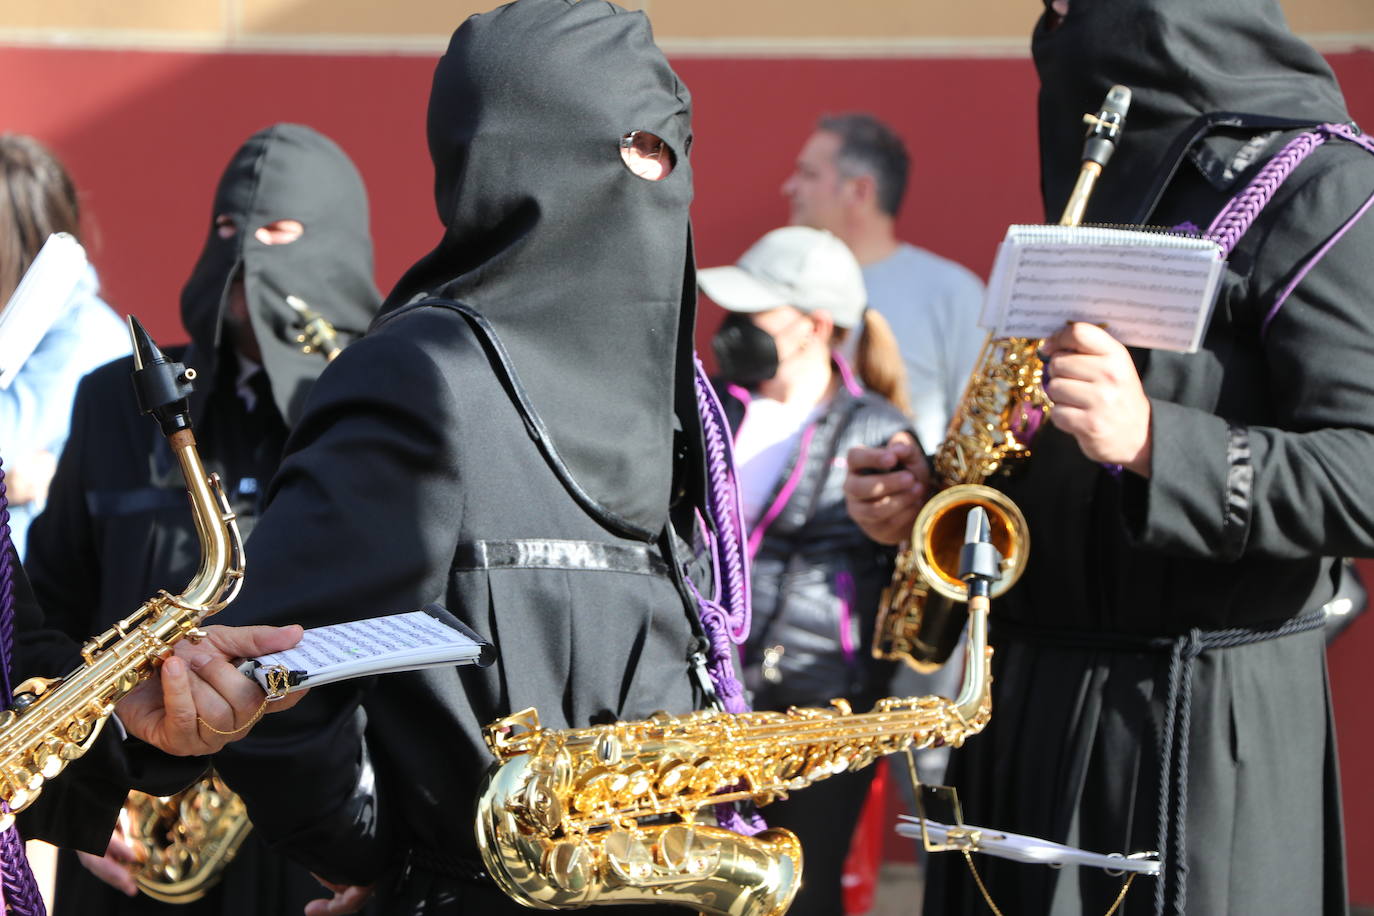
[199, 702]
[1098, 397]
[886, 487]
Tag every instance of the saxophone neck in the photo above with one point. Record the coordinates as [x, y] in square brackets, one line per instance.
[220, 574]
[974, 702]
[163, 387]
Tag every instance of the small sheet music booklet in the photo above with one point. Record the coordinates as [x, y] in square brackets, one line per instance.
[1147, 288]
[428, 638]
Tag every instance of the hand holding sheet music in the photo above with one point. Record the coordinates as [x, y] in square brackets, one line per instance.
[427, 638]
[1148, 289]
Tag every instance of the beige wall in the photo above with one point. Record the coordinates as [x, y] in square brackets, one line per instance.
[709, 26]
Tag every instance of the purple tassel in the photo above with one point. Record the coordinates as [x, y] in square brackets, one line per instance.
[726, 623]
[21, 894]
[723, 503]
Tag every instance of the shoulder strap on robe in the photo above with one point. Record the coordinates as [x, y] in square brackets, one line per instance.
[1236, 217]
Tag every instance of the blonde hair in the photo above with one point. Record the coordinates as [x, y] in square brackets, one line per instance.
[878, 359]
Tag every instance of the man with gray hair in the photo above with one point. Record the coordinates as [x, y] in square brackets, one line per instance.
[850, 178]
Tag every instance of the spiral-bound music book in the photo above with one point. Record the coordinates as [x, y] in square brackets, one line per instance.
[428, 638]
[1148, 289]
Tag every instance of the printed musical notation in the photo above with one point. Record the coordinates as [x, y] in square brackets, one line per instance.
[1148, 289]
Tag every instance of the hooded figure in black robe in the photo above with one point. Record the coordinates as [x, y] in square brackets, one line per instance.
[117, 526]
[1261, 448]
[517, 438]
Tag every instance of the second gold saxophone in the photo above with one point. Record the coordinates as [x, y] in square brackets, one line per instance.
[622, 813]
[990, 432]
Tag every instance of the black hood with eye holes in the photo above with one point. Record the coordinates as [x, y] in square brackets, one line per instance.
[286, 171]
[1183, 60]
[582, 269]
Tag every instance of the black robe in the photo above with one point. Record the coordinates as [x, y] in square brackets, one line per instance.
[117, 526]
[1262, 443]
[409, 456]
[534, 465]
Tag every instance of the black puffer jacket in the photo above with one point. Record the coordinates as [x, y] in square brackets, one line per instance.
[817, 577]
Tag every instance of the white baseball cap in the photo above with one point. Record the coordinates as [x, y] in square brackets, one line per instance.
[805, 268]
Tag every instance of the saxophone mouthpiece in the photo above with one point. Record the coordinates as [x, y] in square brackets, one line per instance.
[161, 386]
[980, 563]
[305, 312]
[1104, 128]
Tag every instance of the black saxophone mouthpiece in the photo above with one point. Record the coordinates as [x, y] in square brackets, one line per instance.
[980, 564]
[161, 386]
[1104, 128]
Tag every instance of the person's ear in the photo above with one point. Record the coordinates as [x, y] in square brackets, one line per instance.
[861, 191]
[822, 324]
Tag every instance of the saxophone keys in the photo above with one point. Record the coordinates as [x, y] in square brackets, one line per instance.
[18, 800]
[195, 635]
[539, 806]
[27, 778]
[32, 689]
[20, 796]
[673, 778]
[568, 864]
[598, 789]
[608, 748]
[77, 733]
[49, 758]
[681, 850]
[629, 857]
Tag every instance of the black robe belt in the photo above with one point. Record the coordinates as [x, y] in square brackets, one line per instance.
[538, 553]
[1183, 650]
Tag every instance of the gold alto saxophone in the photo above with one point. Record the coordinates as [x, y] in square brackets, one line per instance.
[620, 813]
[1003, 405]
[54, 721]
[183, 843]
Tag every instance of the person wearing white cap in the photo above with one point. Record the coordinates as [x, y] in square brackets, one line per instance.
[796, 408]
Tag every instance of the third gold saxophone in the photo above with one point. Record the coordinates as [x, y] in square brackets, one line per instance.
[989, 434]
[621, 813]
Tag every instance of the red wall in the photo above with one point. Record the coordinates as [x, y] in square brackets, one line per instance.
[146, 135]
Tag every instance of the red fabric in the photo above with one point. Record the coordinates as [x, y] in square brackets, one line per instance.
[866, 849]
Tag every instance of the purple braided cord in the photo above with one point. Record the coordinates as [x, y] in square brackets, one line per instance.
[723, 503]
[1235, 218]
[720, 653]
[21, 896]
[725, 627]
[6, 587]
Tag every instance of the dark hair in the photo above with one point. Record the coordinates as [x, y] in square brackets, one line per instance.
[870, 147]
[38, 199]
